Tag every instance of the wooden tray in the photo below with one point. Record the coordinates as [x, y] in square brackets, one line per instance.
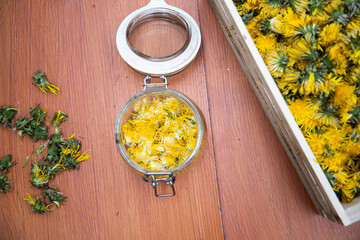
[273, 103]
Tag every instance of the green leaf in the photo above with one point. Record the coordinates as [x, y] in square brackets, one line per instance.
[27, 161]
[4, 184]
[6, 115]
[6, 164]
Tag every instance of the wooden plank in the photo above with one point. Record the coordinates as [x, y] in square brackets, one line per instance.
[74, 43]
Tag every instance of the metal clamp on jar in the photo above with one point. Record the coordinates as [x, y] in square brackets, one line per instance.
[159, 66]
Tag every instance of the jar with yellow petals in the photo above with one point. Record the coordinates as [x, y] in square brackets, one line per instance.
[159, 131]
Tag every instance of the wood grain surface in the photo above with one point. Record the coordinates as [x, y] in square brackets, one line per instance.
[242, 186]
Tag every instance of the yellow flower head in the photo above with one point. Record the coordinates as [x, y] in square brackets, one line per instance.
[269, 9]
[248, 6]
[352, 148]
[276, 24]
[331, 82]
[299, 49]
[348, 183]
[334, 137]
[337, 54]
[355, 55]
[327, 118]
[276, 61]
[296, 25]
[353, 75]
[353, 28]
[300, 6]
[344, 114]
[265, 43]
[317, 143]
[253, 26]
[344, 96]
[336, 162]
[300, 109]
[303, 112]
[330, 34]
[288, 83]
[332, 6]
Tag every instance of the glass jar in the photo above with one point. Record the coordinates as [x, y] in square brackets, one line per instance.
[161, 65]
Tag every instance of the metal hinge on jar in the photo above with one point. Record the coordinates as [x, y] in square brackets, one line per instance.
[155, 178]
[147, 82]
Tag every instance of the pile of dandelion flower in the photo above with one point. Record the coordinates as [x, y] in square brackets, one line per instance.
[62, 154]
[55, 156]
[161, 134]
[312, 50]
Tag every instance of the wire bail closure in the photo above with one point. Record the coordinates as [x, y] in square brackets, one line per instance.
[147, 82]
[155, 181]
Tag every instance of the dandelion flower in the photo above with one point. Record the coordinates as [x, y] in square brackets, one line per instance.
[330, 34]
[270, 8]
[334, 137]
[353, 27]
[43, 83]
[301, 49]
[328, 118]
[316, 143]
[344, 95]
[300, 109]
[299, 6]
[37, 205]
[276, 61]
[337, 53]
[265, 42]
[353, 75]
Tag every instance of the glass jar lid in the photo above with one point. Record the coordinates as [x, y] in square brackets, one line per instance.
[158, 39]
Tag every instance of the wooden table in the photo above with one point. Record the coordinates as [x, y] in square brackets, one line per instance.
[243, 186]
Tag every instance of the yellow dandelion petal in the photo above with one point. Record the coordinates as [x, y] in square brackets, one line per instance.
[83, 157]
[29, 199]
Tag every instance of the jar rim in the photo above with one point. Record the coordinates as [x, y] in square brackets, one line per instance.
[155, 66]
[166, 15]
